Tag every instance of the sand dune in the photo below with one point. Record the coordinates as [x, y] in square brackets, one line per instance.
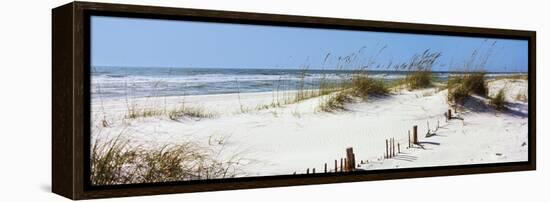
[294, 137]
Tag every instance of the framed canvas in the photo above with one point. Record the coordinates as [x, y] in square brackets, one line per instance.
[156, 100]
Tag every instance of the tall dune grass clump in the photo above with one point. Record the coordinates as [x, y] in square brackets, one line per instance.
[460, 87]
[362, 86]
[324, 87]
[115, 162]
[111, 162]
[458, 95]
[475, 83]
[334, 102]
[499, 101]
[419, 80]
[421, 67]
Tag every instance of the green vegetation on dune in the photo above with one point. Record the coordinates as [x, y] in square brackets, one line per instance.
[462, 86]
[499, 100]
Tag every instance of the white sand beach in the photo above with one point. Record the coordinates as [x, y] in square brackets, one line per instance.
[292, 138]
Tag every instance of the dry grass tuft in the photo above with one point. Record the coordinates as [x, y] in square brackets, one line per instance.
[115, 162]
[460, 87]
[419, 80]
[134, 112]
[421, 66]
[498, 102]
[362, 86]
[458, 95]
[334, 102]
[189, 111]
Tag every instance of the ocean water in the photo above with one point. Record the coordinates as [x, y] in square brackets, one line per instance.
[124, 82]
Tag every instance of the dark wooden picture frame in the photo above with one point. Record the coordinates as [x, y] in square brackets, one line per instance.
[70, 115]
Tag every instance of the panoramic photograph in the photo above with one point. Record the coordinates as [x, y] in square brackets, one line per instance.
[175, 100]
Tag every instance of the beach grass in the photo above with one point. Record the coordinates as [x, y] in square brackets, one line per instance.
[110, 160]
[419, 80]
[421, 66]
[183, 110]
[362, 86]
[462, 86]
[334, 102]
[134, 112]
[498, 101]
[116, 161]
[458, 95]
[189, 111]
[475, 83]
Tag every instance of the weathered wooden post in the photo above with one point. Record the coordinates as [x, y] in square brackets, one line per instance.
[341, 164]
[387, 150]
[335, 165]
[307, 172]
[351, 159]
[415, 134]
[393, 147]
[449, 116]
[409, 138]
[313, 170]
[346, 165]
[398, 148]
[325, 167]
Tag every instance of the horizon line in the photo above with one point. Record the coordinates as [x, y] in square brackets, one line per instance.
[314, 69]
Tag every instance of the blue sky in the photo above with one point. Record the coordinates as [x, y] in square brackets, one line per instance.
[133, 42]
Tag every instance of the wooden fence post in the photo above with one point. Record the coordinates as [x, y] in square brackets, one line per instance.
[398, 148]
[351, 159]
[415, 134]
[341, 164]
[325, 167]
[335, 165]
[449, 116]
[307, 172]
[409, 138]
[393, 147]
[346, 165]
[387, 150]
[313, 170]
